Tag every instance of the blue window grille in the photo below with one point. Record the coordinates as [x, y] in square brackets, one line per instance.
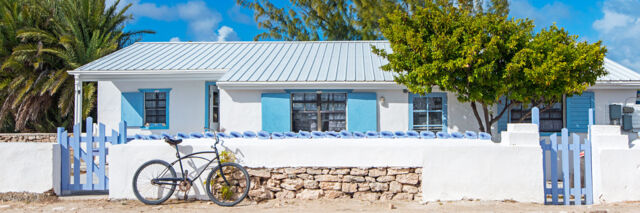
[156, 108]
[428, 112]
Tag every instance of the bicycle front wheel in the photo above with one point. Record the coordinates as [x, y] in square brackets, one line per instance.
[148, 184]
[228, 184]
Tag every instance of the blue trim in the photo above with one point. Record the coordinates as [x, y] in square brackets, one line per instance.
[156, 125]
[362, 111]
[445, 122]
[276, 112]
[206, 103]
[132, 108]
[318, 90]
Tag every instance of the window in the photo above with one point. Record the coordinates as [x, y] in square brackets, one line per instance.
[155, 108]
[428, 112]
[551, 120]
[319, 111]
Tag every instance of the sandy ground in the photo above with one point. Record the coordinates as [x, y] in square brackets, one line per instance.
[324, 206]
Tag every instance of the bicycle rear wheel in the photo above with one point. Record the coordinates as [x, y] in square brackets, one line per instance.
[146, 186]
[233, 190]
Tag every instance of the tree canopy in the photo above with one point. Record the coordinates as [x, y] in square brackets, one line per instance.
[306, 20]
[483, 56]
[42, 40]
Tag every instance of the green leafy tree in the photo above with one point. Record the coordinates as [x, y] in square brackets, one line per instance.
[306, 20]
[483, 56]
[57, 36]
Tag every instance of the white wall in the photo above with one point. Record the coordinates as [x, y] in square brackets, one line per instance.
[241, 110]
[482, 172]
[124, 160]
[186, 104]
[30, 167]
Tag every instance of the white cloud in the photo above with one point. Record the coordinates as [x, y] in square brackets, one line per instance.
[174, 39]
[237, 15]
[227, 34]
[619, 28]
[201, 20]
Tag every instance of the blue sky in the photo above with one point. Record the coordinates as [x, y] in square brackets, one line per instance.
[615, 22]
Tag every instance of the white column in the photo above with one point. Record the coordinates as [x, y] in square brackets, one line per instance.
[77, 113]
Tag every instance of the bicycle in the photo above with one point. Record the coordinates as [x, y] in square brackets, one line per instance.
[226, 185]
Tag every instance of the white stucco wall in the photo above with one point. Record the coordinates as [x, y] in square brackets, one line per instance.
[241, 110]
[482, 172]
[124, 160]
[30, 167]
[186, 104]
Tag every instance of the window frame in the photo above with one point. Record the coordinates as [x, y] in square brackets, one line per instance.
[319, 112]
[444, 110]
[167, 92]
[564, 117]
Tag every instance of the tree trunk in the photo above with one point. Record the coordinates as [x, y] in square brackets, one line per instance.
[487, 119]
[477, 115]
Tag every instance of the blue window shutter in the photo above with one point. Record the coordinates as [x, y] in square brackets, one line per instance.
[362, 111]
[132, 108]
[502, 122]
[578, 111]
[276, 112]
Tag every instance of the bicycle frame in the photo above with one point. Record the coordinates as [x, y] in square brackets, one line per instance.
[175, 181]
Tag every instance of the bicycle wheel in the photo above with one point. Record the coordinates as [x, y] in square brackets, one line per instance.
[233, 190]
[145, 184]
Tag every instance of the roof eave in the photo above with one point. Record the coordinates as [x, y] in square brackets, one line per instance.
[135, 75]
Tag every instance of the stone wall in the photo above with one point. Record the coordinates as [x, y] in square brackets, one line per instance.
[28, 137]
[388, 183]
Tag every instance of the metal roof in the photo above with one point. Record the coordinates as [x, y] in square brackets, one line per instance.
[617, 72]
[274, 61]
[347, 61]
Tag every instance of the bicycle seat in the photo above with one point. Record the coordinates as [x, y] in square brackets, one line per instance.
[172, 141]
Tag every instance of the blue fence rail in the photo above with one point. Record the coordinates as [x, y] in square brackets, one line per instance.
[567, 166]
[78, 149]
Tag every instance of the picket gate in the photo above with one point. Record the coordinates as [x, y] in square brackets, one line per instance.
[567, 166]
[83, 150]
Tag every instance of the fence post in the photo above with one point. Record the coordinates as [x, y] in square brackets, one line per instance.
[565, 167]
[63, 140]
[535, 116]
[123, 133]
[588, 181]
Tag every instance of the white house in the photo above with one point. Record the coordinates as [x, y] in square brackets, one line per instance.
[289, 86]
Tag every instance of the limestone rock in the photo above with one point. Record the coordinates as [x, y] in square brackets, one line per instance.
[339, 171]
[310, 184]
[306, 176]
[292, 184]
[363, 187]
[378, 187]
[418, 171]
[294, 170]
[327, 178]
[260, 194]
[349, 187]
[273, 185]
[370, 179]
[411, 178]
[265, 173]
[353, 179]
[395, 187]
[359, 171]
[286, 194]
[279, 176]
[386, 196]
[331, 194]
[330, 185]
[398, 171]
[410, 189]
[313, 171]
[309, 194]
[403, 196]
[385, 178]
[377, 172]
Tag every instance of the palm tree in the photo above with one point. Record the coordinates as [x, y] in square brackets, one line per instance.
[74, 32]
